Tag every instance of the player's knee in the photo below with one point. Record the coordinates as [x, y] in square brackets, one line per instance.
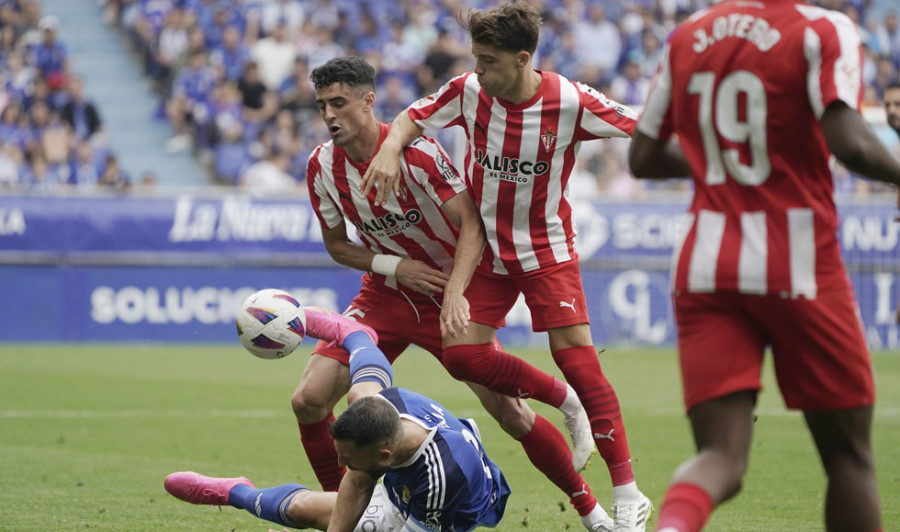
[463, 361]
[515, 421]
[308, 408]
[303, 512]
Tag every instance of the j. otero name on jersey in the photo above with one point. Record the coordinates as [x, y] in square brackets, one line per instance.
[740, 25]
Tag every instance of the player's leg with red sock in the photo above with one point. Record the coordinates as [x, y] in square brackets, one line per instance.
[319, 448]
[325, 380]
[685, 508]
[548, 450]
[490, 366]
[581, 368]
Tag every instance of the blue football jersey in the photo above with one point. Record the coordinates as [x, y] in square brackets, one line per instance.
[449, 484]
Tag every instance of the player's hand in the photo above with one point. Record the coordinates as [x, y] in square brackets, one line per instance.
[454, 315]
[422, 278]
[384, 174]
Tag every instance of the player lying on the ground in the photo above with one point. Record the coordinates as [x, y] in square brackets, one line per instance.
[435, 473]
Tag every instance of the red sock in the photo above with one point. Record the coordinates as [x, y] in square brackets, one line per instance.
[549, 452]
[503, 373]
[581, 368]
[319, 449]
[685, 508]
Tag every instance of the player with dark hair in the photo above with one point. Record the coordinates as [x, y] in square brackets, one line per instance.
[524, 127]
[419, 251]
[434, 470]
[759, 95]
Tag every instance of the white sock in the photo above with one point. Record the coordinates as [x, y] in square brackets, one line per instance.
[571, 403]
[626, 492]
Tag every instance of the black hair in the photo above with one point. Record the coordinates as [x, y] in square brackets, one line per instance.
[352, 71]
[368, 420]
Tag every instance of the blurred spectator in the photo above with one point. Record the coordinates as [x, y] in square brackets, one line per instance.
[297, 93]
[324, 14]
[188, 108]
[629, 86]
[394, 97]
[80, 113]
[42, 176]
[892, 107]
[420, 32]
[55, 139]
[439, 60]
[322, 49]
[286, 13]
[231, 57]
[283, 136]
[84, 164]
[398, 56]
[171, 43]
[50, 56]
[11, 160]
[113, 177]
[12, 130]
[599, 45]
[274, 55]
[230, 151]
[260, 103]
[269, 177]
[18, 77]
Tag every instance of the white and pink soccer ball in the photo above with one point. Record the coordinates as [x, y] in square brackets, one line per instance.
[271, 323]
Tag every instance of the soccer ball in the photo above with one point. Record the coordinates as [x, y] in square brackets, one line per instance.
[271, 323]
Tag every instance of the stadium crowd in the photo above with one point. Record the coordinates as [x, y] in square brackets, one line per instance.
[233, 79]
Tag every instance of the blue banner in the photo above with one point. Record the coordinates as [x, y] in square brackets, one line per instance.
[238, 228]
[198, 304]
[229, 228]
[176, 269]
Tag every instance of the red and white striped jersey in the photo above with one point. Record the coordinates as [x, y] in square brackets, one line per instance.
[519, 159]
[410, 225]
[743, 85]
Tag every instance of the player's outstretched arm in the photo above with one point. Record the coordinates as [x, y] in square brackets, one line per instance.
[851, 139]
[657, 159]
[384, 169]
[462, 211]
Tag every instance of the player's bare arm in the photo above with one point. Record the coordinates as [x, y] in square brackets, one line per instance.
[656, 159]
[461, 210]
[352, 500]
[413, 274]
[384, 169]
[852, 141]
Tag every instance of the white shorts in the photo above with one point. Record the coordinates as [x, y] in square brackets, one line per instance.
[381, 515]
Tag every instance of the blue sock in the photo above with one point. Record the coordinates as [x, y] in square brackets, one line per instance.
[367, 361]
[270, 504]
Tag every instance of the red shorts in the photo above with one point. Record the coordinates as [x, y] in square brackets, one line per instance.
[820, 356]
[397, 321]
[554, 296]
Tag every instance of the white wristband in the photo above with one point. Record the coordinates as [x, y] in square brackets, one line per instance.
[385, 264]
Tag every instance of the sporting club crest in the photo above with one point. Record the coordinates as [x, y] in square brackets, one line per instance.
[548, 138]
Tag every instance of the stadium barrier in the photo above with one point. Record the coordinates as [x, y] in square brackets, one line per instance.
[175, 269]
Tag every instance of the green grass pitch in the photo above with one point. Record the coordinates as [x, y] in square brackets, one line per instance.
[87, 434]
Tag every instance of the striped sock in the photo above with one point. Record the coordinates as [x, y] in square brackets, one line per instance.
[270, 504]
